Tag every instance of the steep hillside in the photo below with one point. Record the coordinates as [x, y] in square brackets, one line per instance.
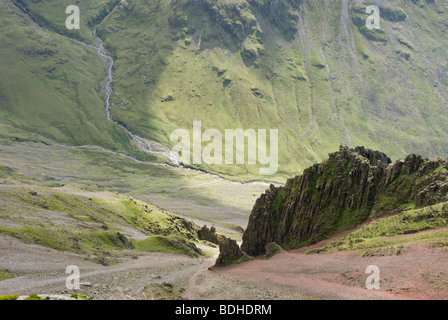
[99, 226]
[349, 188]
[308, 68]
[52, 85]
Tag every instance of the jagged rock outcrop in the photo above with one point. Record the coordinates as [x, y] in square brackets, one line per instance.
[237, 20]
[128, 243]
[340, 193]
[209, 234]
[230, 253]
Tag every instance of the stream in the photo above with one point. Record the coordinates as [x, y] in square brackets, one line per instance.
[143, 144]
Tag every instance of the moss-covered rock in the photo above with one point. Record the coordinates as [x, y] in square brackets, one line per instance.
[230, 253]
[340, 193]
[272, 249]
[209, 234]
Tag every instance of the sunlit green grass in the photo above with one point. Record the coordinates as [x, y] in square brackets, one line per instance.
[170, 244]
[65, 221]
[402, 229]
[5, 275]
[334, 83]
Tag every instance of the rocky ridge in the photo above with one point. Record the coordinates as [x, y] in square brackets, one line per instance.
[352, 186]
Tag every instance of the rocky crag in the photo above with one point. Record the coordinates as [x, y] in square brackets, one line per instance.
[210, 235]
[230, 253]
[352, 186]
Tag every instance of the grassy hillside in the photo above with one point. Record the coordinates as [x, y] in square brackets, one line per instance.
[29, 159]
[391, 235]
[308, 68]
[51, 14]
[332, 82]
[53, 86]
[99, 226]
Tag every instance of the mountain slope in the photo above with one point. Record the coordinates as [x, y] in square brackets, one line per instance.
[53, 86]
[97, 225]
[308, 68]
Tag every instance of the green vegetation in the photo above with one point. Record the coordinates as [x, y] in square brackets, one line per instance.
[244, 65]
[170, 244]
[358, 16]
[284, 16]
[352, 187]
[391, 233]
[78, 296]
[64, 80]
[243, 259]
[311, 69]
[9, 297]
[278, 201]
[35, 297]
[5, 275]
[164, 291]
[233, 227]
[35, 161]
[60, 238]
[152, 220]
[272, 249]
[393, 14]
[95, 227]
[52, 14]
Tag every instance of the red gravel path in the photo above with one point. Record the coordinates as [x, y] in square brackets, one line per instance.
[419, 272]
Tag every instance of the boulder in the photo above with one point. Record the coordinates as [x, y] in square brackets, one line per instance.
[272, 249]
[230, 253]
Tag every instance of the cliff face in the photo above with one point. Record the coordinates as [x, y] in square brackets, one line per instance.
[340, 193]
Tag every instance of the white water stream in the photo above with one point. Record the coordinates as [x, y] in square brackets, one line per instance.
[142, 143]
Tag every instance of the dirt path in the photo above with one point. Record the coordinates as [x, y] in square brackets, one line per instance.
[42, 270]
[420, 272]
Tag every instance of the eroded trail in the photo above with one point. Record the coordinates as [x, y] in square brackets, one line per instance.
[419, 272]
[40, 270]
